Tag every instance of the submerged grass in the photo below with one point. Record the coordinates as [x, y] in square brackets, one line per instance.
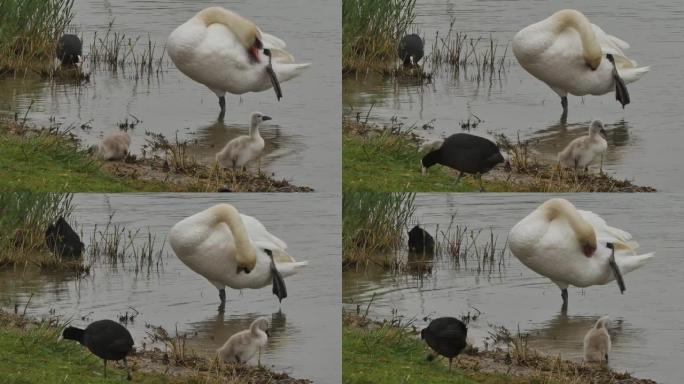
[29, 30]
[373, 222]
[371, 32]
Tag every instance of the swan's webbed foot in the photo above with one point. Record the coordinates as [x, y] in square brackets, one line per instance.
[271, 73]
[222, 296]
[278, 283]
[621, 93]
[616, 269]
[564, 296]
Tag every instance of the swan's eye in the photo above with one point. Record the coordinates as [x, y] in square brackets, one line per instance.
[268, 252]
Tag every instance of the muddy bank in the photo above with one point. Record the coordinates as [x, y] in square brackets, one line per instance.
[509, 359]
[56, 160]
[172, 362]
[395, 143]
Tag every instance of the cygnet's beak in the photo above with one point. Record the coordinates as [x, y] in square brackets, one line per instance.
[603, 133]
[266, 118]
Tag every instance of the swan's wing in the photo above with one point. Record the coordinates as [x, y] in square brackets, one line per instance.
[258, 233]
[605, 233]
[271, 41]
[615, 46]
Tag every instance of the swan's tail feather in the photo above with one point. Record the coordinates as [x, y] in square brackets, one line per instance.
[286, 72]
[630, 263]
[630, 75]
[287, 269]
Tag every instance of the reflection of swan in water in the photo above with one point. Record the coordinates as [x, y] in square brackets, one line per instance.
[215, 330]
[211, 138]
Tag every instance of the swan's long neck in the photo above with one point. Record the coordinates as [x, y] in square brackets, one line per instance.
[560, 208]
[255, 328]
[245, 255]
[254, 130]
[569, 18]
[245, 30]
[601, 323]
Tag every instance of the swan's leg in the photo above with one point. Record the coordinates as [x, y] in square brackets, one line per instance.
[128, 370]
[222, 104]
[259, 358]
[621, 93]
[601, 166]
[564, 104]
[222, 296]
[564, 296]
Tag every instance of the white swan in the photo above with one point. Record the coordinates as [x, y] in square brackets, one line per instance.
[242, 346]
[597, 342]
[234, 250]
[114, 146]
[228, 53]
[573, 247]
[567, 52]
[583, 150]
[244, 149]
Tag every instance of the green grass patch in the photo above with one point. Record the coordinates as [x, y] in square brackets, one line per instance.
[33, 355]
[392, 355]
[391, 162]
[49, 162]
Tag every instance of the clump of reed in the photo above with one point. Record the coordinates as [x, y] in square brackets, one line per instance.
[463, 245]
[24, 218]
[29, 31]
[462, 53]
[115, 51]
[373, 222]
[119, 245]
[371, 32]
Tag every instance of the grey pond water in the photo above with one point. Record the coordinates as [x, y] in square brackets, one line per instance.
[303, 345]
[302, 140]
[648, 320]
[644, 139]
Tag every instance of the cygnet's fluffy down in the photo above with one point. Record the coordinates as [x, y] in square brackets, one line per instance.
[242, 150]
[583, 150]
[242, 346]
[114, 146]
[597, 342]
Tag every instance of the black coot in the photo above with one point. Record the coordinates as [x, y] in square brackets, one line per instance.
[420, 241]
[467, 154]
[446, 336]
[69, 50]
[106, 339]
[411, 49]
[62, 240]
